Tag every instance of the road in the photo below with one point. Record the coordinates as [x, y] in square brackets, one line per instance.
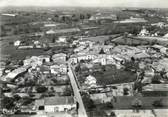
[81, 110]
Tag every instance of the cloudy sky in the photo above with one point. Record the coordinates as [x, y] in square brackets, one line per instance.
[99, 3]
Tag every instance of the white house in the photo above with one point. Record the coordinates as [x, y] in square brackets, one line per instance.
[55, 69]
[59, 57]
[62, 39]
[91, 81]
[16, 72]
[166, 35]
[73, 59]
[17, 43]
[80, 48]
[33, 61]
[162, 49]
[45, 57]
[100, 60]
[144, 32]
[50, 32]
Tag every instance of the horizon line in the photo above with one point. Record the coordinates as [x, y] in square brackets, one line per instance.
[83, 6]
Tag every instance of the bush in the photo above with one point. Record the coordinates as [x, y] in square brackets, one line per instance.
[126, 91]
[8, 102]
[158, 103]
[109, 104]
[41, 89]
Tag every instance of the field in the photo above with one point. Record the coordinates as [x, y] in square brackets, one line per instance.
[113, 75]
[9, 49]
[100, 39]
[109, 74]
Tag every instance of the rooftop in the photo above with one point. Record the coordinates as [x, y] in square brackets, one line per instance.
[69, 30]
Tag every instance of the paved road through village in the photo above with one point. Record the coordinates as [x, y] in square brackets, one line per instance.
[81, 110]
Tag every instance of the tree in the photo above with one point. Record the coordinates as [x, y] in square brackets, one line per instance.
[67, 91]
[7, 62]
[136, 103]
[126, 91]
[78, 68]
[138, 86]
[41, 89]
[89, 104]
[43, 61]
[131, 66]
[52, 89]
[21, 63]
[88, 15]
[109, 105]
[103, 68]
[27, 101]
[16, 97]
[156, 79]
[132, 59]
[163, 73]
[112, 114]
[101, 51]
[8, 103]
[82, 16]
[158, 103]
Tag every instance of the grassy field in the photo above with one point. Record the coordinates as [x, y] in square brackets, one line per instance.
[9, 49]
[100, 39]
[109, 75]
[113, 75]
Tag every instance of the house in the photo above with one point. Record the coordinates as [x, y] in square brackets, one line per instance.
[62, 39]
[100, 98]
[148, 75]
[33, 61]
[166, 35]
[62, 79]
[46, 58]
[60, 57]
[59, 68]
[100, 60]
[161, 64]
[132, 20]
[56, 104]
[159, 24]
[106, 17]
[84, 55]
[51, 31]
[91, 81]
[161, 49]
[17, 43]
[25, 47]
[80, 48]
[73, 59]
[16, 72]
[63, 31]
[144, 32]
[44, 69]
[9, 14]
[141, 55]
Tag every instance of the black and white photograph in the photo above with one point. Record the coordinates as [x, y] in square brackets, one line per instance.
[83, 58]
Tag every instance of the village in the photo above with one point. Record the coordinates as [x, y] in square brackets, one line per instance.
[68, 71]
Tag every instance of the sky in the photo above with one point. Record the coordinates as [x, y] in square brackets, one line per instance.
[88, 3]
